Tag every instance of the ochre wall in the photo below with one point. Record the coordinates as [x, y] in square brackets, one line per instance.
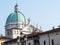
[1, 41]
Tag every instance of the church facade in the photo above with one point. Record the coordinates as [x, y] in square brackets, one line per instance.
[21, 32]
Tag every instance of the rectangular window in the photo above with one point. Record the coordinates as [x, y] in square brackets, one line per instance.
[52, 42]
[44, 42]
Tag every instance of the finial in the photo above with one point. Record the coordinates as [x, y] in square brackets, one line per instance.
[16, 7]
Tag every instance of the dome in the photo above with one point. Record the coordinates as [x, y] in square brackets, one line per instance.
[16, 17]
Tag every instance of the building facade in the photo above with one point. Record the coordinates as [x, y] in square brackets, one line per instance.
[51, 37]
[21, 32]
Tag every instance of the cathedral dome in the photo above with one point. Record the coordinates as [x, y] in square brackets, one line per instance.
[16, 16]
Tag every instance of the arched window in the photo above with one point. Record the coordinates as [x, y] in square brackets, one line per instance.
[44, 42]
[36, 42]
[52, 42]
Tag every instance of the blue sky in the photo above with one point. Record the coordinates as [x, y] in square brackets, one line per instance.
[45, 13]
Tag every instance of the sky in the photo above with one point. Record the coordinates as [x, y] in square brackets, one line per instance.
[45, 13]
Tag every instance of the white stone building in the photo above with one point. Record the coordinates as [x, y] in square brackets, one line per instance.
[22, 32]
[51, 37]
